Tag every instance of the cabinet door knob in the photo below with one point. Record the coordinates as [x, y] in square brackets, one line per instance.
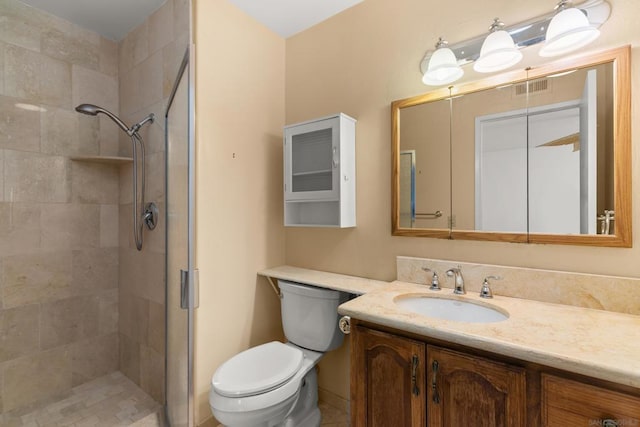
[609, 423]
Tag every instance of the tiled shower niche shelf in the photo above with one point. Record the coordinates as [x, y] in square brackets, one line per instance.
[105, 160]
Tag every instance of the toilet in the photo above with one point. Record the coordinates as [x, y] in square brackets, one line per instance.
[275, 384]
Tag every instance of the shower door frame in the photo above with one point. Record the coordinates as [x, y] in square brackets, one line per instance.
[189, 303]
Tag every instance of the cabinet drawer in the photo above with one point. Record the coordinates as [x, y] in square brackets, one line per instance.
[571, 403]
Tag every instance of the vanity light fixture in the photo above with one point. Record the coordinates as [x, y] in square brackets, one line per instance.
[443, 66]
[569, 30]
[498, 51]
[530, 33]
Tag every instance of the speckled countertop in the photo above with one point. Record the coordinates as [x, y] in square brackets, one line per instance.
[595, 343]
[323, 279]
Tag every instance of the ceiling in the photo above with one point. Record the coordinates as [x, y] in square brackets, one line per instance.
[288, 17]
[113, 19]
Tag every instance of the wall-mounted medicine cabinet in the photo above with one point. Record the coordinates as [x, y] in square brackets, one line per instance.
[320, 173]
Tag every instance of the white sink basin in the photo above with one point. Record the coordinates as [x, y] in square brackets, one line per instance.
[450, 309]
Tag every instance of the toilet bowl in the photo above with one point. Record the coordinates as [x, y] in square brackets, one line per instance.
[263, 385]
[275, 384]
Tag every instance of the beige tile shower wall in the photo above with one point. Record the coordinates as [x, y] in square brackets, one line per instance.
[58, 263]
[149, 57]
[361, 60]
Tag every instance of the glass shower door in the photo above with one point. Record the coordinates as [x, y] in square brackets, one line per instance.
[180, 255]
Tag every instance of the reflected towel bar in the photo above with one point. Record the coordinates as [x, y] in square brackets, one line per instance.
[436, 214]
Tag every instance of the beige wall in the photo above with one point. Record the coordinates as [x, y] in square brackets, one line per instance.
[58, 218]
[240, 114]
[358, 62]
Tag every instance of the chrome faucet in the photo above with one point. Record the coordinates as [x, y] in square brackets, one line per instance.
[456, 273]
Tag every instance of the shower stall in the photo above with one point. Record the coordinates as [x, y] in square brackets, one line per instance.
[89, 329]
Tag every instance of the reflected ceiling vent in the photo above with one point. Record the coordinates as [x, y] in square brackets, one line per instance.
[540, 85]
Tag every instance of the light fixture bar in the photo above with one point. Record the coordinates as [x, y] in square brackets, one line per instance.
[524, 34]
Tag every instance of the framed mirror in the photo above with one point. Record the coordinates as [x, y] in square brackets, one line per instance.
[541, 155]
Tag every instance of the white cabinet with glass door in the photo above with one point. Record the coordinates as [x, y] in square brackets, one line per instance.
[319, 173]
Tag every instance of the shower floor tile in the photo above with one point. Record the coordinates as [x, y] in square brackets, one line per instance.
[109, 401]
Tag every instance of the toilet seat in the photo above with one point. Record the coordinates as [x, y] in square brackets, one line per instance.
[257, 402]
[257, 370]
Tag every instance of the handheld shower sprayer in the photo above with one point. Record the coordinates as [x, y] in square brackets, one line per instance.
[149, 211]
[94, 110]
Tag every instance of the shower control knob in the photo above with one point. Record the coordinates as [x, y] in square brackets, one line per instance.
[345, 324]
[150, 215]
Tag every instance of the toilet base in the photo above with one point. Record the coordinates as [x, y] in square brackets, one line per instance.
[305, 412]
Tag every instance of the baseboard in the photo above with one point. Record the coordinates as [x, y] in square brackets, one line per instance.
[334, 400]
[210, 422]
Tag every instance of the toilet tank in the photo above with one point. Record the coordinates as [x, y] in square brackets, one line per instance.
[310, 315]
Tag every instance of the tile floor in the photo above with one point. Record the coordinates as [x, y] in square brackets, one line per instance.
[333, 417]
[113, 401]
[109, 401]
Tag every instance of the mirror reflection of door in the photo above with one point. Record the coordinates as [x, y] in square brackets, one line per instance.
[500, 184]
[547, 197]
[558, 192]
[490, 192]
[407, 188]
[554, 169]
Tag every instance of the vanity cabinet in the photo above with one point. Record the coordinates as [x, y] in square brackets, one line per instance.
[389, 374]
[387, 380]
[319, 173]
[401, 379]
[572, 403]
[466, 390]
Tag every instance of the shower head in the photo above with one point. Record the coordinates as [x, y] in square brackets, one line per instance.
[89, 109]
[93, 110]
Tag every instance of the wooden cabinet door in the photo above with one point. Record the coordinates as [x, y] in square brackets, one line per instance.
[473, 392]
[387, 380]
[571, 403]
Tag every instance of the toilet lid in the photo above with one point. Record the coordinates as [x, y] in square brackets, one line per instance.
[257, 370]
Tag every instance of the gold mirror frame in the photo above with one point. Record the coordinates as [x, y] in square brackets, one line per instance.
[621, 148]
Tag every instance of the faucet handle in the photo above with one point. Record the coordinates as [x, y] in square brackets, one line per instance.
[485, 291]
[435, 281]
[454, 270]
